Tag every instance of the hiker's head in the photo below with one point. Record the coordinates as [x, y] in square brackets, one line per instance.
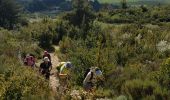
[45, 52]
[68, 64]
[98, 72]
[46, 59]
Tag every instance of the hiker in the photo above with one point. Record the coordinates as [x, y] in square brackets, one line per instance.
[46, 54]
[64, 69]
[45, 67]
[29, 60]
[92, 75]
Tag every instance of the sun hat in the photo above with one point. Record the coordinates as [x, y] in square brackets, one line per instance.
[68, 64]
[46, 59]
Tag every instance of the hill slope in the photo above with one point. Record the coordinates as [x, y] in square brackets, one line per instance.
[135, 1]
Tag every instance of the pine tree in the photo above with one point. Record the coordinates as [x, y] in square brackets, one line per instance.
[83, 12]
[124, 4]
[9, 13]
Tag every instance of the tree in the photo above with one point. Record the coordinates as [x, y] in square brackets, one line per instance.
[96, 5]
[9, 13]
[124, 4]
[36, 5]
[53, 2]
[81, 16]
[83, 12]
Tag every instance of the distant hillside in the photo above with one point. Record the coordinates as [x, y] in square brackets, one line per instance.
[42, 5]
[65, 5]
[134, 1]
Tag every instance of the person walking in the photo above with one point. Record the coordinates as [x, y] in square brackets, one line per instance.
[91, 78]
[45, 67]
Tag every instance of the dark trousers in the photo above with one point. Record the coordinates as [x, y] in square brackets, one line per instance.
[46, 73]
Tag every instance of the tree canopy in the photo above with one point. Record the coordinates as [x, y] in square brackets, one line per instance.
[9, 13]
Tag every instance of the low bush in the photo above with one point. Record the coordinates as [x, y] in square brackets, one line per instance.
[143, 89]
[17, 81]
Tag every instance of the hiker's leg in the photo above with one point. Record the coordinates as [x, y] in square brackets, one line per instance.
[47, 75]
[63, 85]
[87, 87]
[43, 72]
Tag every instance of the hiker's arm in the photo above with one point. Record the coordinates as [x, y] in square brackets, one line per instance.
[63, 74]
[87, 78]
[40, 69]
[49, 56]
[50, 68]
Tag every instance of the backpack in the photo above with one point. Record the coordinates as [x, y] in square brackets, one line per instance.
[86, 72]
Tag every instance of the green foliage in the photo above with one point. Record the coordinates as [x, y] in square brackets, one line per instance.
[42, 32]
[33, 7]
[144, 89]
[45, 40]
[128, 54]
[127, 45]
[124, 4]
[139, 15]
[81, 16]
[16, 81]
[103, 93]
[88, 53]
[165, 73]
[135, 1]
[19, 85]
[10, 13]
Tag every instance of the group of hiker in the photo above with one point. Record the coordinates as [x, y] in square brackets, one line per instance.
[91, 75]
[45, 66]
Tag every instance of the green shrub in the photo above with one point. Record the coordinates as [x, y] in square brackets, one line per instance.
[165, 73]
[143, 89]
[45, 40]
[16, 81]
[124, 53]
[17, 85]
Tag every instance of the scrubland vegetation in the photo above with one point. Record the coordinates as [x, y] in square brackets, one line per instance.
[130, 45]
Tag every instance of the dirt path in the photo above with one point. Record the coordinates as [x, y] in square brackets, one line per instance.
[54, 82]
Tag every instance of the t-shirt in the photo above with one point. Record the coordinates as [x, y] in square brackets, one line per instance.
[60, 65]
[45, 65]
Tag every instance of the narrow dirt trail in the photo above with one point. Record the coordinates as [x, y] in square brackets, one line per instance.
[54, 82]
